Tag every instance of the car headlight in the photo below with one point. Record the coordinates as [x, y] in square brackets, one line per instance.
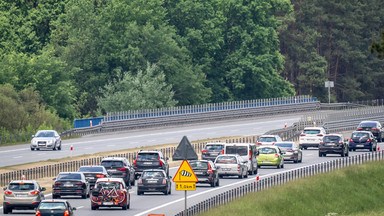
[49, 141]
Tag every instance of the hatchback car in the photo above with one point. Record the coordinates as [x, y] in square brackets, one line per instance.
[211, 150]
[374, 127]
[70, 183]
[231, 165]
[46, 139]
[22, 194]
[270, 156]
[150, 160]
[205, 171]
[291, 151]
[110, 192]
[362, 140]
[119, 167]
[311, 137]
[55, 207]
[92, 173]
[154, 180]
[268, 140]
[333, 144]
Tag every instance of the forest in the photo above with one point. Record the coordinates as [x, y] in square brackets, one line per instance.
[67, 59]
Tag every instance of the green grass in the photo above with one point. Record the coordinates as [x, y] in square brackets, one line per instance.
[356, 191]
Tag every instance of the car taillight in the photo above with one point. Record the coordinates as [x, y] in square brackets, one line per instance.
[38, 213]
[350, 140]
[35, 192]
[66, 213]
[369, 140]
[79, 183]
[250, 155]
[164, 181]
[8, 192]
[259, 143]
[320, 135]
[359, 129]
[124, 169]
[100, 176]
[209, 169]
[204, 152]
[140, 181]
[291, 151]
[161, 162]
[375, 129]
[222, 152]
[276, 155]
[58, 183]
[302, 134]
[321, 142]
[273, 143]
[340, 142]
[238, 167]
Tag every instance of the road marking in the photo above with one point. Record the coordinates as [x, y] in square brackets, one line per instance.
[42, 154]
[80, 207]
[17, 157]
[111, 145]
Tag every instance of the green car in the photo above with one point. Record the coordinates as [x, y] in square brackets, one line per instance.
[270, 156]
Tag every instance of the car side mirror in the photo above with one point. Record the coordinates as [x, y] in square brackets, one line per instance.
[129, 187]
[170, 177]
[54, 179]
[74, 208]
[33, 136]
[43, 189]
[166, 158]
[5, 188]
[257, 153]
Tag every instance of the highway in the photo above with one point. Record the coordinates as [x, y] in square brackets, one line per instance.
[20, 154]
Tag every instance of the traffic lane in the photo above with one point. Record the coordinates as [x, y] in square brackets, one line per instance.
[13, 155]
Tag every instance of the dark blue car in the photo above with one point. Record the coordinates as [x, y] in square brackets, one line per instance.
[362, 140]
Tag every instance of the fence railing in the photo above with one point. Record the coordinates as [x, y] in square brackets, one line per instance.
[271, 180]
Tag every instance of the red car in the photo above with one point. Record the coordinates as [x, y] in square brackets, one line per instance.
[110, 192]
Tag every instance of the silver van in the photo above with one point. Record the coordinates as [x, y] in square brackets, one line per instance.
[247, 151]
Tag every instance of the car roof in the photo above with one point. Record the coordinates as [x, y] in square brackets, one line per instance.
[23, 181]
[54, 200]
[216, 143]
[313, 128]
[71, 173]
[269, 135]
[340, 135]
[228, 155]
[269, 146]
[369, 121]
[240, 144]
[198, 160]
[113, 158]
[362, 132]
[46, 131]
[148, 151]
[285, 142]
[109, 180]
[152, 170]
[93, 166]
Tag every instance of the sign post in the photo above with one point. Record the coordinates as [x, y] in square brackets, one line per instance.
[329, 84]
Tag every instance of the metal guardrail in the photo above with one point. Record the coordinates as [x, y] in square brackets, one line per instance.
[271, 180]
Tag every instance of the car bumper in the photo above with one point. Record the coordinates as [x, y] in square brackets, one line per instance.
[360, 145]
[222, 172]
[151, 188]
[204, 180]
[309, 144]
[49, 146]
[268, 162]
[331, 150]
[59, 192]
[21, 205]
[211, 158]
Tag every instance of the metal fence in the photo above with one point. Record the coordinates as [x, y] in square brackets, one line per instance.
[271, 180]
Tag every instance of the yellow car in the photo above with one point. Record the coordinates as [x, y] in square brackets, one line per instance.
[270, 156]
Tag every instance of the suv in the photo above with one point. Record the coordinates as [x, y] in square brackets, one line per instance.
[119, 167]
[268, 140]
[22, 194]
[311, 137]
[373, 126]
[333, 144]
[211, 150]
[46, 139]
[247, 151]
[150, 160]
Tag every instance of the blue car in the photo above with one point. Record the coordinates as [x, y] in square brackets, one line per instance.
[362, 140]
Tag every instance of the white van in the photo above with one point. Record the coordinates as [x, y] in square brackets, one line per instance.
[247, 151]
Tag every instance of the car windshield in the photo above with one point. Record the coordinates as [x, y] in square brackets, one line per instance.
[214, 147]
[360, 135]
[45, 134]
[199, 165]
[267, 139]
[153, 174]
[52, 205]
[368, 124]
[240, 150]
[90, 169]
[64, 176]
[311, 131]
[147, 156]
[284, 145]
[108, 185]
[21, 186]
[331, 139]
[267, 151]
[226, 160]
[112, 163]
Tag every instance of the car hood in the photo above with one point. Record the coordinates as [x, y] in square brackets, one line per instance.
[43, 138]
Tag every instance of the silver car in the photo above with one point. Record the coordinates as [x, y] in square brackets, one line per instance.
[231, 165]
[22, 194]
[46, 139]
[291, 151]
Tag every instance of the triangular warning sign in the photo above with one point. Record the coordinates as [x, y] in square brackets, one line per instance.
[184, 151]
[185, 173]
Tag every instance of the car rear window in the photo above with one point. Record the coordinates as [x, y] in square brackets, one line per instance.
[214, 147]
[147, 156]
[112, 163]
[198, 164]
[68, 176]
[368, 124]
[153, 174]
[354, 135]
[311, 131]
[52, 205]
[108, 185]
[21, 186]
[240, 150]
[267, 139]
[90, 169]
[331, 138]
[267, 151]
[45, 134]
[226, 160]
[284, 145]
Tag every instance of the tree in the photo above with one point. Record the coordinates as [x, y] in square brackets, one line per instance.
[378, 47]
[145, 90]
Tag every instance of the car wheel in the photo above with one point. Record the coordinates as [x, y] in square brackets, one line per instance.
[354, 149]
[320, 154]
[59, 148]
[213, 183]
[217, 182]
[343, 153]
[241, 175]
[301, 158]
[37, 149]
[258, 166]
[305, 148]
[84, 196]
[246, 174]
[133, 182]
[55, 196]
[296, 159]
[278, 166]
[32, 149]
[282, 165]
[6, 210]
[93, 207]
[139, 192]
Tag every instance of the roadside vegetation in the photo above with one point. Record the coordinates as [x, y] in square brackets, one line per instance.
[356, 190]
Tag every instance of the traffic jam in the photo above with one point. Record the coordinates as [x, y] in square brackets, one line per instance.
[109, 185]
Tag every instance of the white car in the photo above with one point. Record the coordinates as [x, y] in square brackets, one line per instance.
[311, 137]
[46, 139]
[268, 140]
[231, 165]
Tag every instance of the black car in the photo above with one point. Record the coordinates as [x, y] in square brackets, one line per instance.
[154, 180]
[119, 167]
[211, 150]
[205, 171]
[70, 183]
[55, 207]
[150, 160]
[362, 140]
[333, 144]
[374, 127]
[92, 173]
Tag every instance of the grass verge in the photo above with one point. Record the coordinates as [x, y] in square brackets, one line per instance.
[356, 190]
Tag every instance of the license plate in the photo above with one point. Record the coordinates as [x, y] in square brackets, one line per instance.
[330, 144]
[214, 154]
[41, 144]
[198, 173]
[20, 195]
[226, 169]
[152, 181]
[266, 161]
[90, 177]
[311, 139]
[147, 163]
[107, 203]
[112, 170]
[359, 145]
[68, 185]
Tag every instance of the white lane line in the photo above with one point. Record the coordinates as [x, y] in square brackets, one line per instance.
[80, 207]
[111, 145]
[42, 154]
[17, 157]
[151, 141]
[209, 191]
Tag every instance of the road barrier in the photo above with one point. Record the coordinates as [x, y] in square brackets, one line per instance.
[271, 180]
